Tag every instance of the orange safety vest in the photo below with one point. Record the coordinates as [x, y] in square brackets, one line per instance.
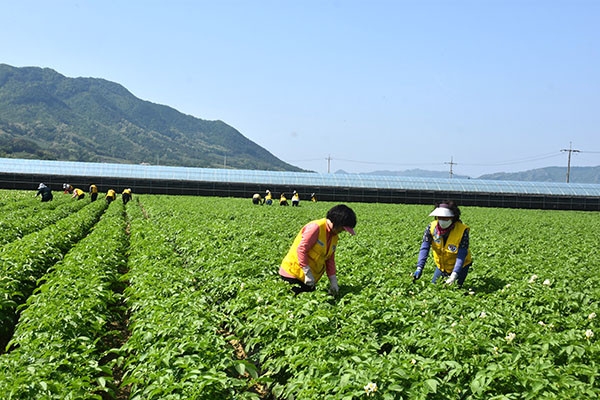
[317, 255]
[445, 254]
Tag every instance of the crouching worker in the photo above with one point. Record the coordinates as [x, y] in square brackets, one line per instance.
[45, 192]
[449, 239]
[313, 251]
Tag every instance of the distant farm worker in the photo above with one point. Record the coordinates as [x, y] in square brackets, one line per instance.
[67, 188]
[93, 192]
[283, 200]
[449, 239]
[78, 193]
[126, 195]
[313, 198]
[295, 199]
[45, 192]
[256, 199]
[268, 198]
[313, 251]
[111, 195]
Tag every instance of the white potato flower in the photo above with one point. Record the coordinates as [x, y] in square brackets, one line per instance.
[589, 334]
[482, 315]
[370, 388]
[510, 337]
[533, 278]
[547, 282]
[592, 315]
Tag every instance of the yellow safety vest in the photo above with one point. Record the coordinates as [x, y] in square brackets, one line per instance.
[93, 189]
[79, 192]
[127, 191]
[317, 255]
[111, 193]
[268, 197]
[282, 198]
[445, 254]
[296, 197]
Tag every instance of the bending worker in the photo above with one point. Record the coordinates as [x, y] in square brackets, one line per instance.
[80, 194]
[268, 198]
[256, 199]
[295, 199]
[93, 192]
[45, 192]
[111, 195]
[126, 195]
[313, 251]
[283, 200]
[449, 239]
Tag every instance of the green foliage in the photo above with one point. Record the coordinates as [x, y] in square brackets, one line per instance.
[25, 261]
[56, 353]
[203, 275]
[46, 115]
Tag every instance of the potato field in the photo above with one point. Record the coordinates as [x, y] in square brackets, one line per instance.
[175, 297]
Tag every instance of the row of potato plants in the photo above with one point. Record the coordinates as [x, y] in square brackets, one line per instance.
[10, 197]
[15, 225]
[521, 328]
[57, 347]
[24, 262]
[175, 350]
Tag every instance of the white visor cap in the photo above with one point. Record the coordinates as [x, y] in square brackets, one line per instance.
[442, 212]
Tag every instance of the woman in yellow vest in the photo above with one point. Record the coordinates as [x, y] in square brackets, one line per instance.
[295, 199]
[93, 192]
[449, 239]
[111, 195]
[313, 252]
[268, 198]
[126, 195]
[80, 194]
[283, 200]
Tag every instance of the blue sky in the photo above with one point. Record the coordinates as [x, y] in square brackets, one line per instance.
[395, 85]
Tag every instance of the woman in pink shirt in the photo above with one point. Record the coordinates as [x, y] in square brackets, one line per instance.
[313, 251]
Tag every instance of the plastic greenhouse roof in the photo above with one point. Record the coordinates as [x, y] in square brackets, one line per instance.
[157, 172]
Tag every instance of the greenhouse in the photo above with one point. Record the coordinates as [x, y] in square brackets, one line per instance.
[26, 174]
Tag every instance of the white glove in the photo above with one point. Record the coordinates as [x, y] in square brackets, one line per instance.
[309, 279]
[452, 278]
[333, 285]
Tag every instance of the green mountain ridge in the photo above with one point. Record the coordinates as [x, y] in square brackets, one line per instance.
[547, 174]
[46, 115]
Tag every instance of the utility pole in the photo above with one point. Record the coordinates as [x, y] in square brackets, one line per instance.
[451, 164]
[570, 150]
[328, 163]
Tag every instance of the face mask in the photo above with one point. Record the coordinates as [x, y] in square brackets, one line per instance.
[445, 224]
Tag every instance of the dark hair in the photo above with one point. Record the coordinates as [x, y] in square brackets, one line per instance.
[342, 215]
[451, 205]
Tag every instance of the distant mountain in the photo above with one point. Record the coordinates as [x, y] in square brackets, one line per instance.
[550, 174]
[420, 173]
[46, 115]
